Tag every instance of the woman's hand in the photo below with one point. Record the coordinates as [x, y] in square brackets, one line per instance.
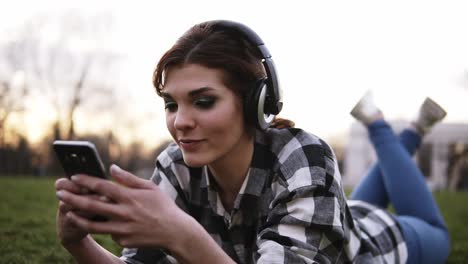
[140, 214]
[67, 231]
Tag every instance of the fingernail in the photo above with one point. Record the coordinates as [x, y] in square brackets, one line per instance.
[59, 194]
[74, 177]
[115, 168]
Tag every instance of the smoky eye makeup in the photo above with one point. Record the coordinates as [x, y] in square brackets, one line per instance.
[170, 105]
[205, 102]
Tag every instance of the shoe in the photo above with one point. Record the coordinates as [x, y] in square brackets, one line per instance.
[429, 114]
[365, 110]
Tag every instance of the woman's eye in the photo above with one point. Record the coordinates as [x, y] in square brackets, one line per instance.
[205, 103]
[170, 106]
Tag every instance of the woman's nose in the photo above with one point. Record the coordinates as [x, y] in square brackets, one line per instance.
[184, 119]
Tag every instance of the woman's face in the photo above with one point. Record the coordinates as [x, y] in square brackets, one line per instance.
[204, 116]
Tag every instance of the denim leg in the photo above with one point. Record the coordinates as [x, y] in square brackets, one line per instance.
[402, 178]
[371, 188]
[419, 216]
[425, 243]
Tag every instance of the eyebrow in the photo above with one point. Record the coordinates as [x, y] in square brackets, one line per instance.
[192, 93]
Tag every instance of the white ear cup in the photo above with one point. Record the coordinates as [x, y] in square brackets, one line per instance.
[264, 121]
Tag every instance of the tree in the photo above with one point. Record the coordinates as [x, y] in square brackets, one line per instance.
[69, 64]
[13, 86]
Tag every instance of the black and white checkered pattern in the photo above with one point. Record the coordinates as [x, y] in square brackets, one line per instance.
[291, 208]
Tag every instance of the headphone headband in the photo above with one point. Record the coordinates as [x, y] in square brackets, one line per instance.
[246, 32]
[273, 100]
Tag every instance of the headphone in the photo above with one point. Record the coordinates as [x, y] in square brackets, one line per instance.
[265, 98]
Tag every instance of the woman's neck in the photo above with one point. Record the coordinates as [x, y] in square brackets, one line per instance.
[230, 171]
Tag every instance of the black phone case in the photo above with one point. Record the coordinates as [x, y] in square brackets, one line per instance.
[79, 158]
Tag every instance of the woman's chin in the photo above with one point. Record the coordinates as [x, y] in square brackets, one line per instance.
[194, 162]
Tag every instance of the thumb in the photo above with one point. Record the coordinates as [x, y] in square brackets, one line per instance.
[127, 179]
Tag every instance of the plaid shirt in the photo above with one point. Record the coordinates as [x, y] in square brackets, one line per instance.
[291, 208]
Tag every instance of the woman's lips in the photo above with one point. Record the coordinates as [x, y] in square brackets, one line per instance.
[190, 144]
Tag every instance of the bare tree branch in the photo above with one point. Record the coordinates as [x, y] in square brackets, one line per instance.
[68, 63]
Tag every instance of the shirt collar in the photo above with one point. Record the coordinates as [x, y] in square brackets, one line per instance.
[253, 185]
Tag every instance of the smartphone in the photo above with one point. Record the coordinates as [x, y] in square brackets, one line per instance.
[79, 157]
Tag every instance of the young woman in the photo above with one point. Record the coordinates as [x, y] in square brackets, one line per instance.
[226, 191]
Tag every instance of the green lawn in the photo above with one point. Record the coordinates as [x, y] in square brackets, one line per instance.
[27, 222]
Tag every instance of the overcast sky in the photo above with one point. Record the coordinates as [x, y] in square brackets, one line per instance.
[328, 53]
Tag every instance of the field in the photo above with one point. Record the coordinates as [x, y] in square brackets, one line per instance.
[27, 222]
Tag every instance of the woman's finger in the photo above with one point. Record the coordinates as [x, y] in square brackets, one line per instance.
[106, 188]
[67, 184]
[64, 208]
[92, 205]
[127, 179]
[108, 227]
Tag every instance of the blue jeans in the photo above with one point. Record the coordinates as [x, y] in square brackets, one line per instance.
[396, 179]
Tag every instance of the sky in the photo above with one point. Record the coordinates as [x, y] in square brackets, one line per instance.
[327, 53]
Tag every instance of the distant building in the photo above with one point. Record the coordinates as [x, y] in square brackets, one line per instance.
[443, 156]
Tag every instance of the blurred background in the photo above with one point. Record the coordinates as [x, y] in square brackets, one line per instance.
[82, 70]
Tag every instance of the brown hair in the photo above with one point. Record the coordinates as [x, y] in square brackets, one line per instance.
[217, 48]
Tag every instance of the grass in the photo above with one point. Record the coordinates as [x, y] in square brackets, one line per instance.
[27, 223]
[454, 207]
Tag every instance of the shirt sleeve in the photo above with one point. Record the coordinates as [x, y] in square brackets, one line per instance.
[303, 224]
[168, 180]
